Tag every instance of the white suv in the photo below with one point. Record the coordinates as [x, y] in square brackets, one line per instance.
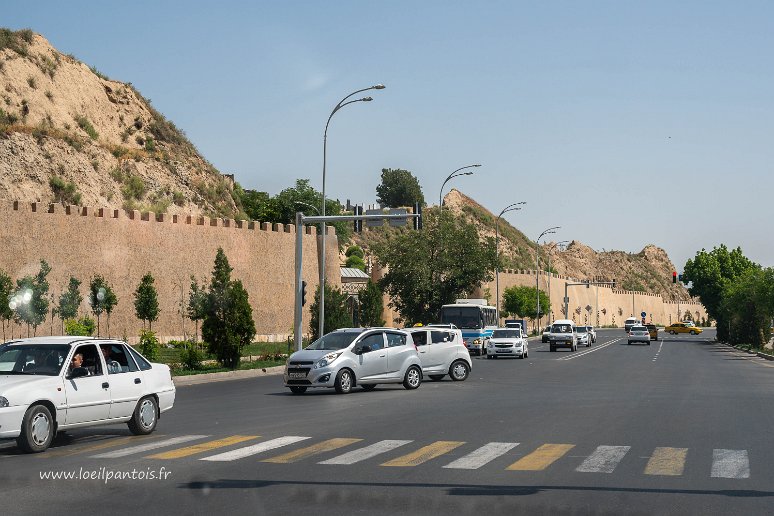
[442, 351]
[507, 342]
[564, 334]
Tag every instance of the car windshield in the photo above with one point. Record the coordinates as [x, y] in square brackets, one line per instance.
[468, 317]
[33, 359]
[561, 328]
[335, 340]
[506, 334]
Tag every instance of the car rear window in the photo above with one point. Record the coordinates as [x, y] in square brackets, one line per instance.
[639, 328]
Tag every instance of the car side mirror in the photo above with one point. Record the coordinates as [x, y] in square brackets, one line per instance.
[365, 348]
[78, 372]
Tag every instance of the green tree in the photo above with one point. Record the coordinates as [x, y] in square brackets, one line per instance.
[749, 303]
[197, 304]
[521, 301]
[355, 250]
[83, 326]
[711, 274]
[371, 305]
[355, 262]
[146, 301]
[336, 313]
[101, 298]
[433, 267]
[399, 188]
[109, 302]
[31, 305]
[70, 301]
[6, 291]
[228, 323]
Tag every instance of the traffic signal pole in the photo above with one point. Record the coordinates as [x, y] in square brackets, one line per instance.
[586, 284]
[300, 220]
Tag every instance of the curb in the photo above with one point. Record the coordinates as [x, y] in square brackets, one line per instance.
[195, 379]
[764, 355]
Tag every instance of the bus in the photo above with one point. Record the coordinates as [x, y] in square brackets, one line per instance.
[475, 318]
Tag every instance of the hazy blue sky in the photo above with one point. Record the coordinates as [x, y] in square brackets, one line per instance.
[626, 123]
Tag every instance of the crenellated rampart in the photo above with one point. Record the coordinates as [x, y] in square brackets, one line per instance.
[124, 245]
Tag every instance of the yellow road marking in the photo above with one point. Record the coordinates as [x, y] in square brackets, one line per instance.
[315, 449]
[541, 458]
[667, 461]
[425, 454]
[67, 451]
[203, 447]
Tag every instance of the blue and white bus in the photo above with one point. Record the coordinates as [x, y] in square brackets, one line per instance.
[475, 318]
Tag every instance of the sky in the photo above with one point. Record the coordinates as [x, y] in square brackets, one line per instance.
[625, 123]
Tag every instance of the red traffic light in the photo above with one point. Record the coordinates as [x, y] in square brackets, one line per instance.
[674, 277]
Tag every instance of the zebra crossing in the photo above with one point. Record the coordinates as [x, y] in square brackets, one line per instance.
[394, 453]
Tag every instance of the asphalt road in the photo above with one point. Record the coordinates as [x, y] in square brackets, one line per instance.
[682, 426]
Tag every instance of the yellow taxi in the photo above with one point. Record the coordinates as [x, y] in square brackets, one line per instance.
[683, 327]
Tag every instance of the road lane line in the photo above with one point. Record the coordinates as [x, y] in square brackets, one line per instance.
[255, 449]
[482, 456]
[730, 464]
[315, 449]
[366, 453]
[578, 355]
[425, 454]
[659, 351]
[203, 447]
[541, 458]
[603, 460]
[667, 461]
[110, 443]
[147, 447]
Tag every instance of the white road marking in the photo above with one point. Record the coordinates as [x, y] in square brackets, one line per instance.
[366, 453]
[578, 355]
[659, 351]
[604, 459]
[255, 449]
[730, 464]
[482, 456]
[146, 447]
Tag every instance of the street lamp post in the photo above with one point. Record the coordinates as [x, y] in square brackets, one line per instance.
[548, 231]
[308, 206]
[454, 174]
[511, 207]
[559, 245]
[343, 102]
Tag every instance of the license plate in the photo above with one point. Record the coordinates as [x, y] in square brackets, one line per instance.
[297, 375]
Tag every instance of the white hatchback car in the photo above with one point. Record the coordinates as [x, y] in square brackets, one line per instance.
[442, 351]
[50, 384]
[507, 342]
[349, 357]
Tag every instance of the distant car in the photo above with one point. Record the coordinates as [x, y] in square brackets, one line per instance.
[546, 333]
[563, 334]
[639, 334]
[631, 321]
[350, 357]
[682, 327]
[442, 351]
[593, 333]
[507, 342]
[653, 331]
[51, 384]
[584, 337]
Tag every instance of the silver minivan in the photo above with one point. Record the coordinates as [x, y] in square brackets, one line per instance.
[351, 357]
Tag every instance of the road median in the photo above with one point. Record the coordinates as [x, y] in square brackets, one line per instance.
[195, 379]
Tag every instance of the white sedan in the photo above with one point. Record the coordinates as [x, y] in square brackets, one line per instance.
[50, 384]
[507, 342]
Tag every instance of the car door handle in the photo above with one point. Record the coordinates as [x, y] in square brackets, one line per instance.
[137, 380]
[382, 356]
[105, 385]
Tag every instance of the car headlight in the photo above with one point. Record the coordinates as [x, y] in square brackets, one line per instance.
[328, 359]
[4, 402]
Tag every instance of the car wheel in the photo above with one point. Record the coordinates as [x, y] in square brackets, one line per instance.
[459, 371]
[343, 383]
[673, 332]
[145, 417]
[437, 377]
[693, 332]
[648, 343]
[553, 348]
[298, 389]
[489, 356]
[413, 378]
[37, 430]
[369, 386]
[629, 343]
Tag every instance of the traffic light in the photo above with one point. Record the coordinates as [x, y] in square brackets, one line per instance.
[588, 283]
[613, 282]
[303, 293]
[358, 223]
[680, 278]
[418, 220]
[674, 277]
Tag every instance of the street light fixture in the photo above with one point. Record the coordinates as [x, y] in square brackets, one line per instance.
[308, 206]
[511, 207]
[548, 231]
[343, 102]
[560, 245]
[454, 174]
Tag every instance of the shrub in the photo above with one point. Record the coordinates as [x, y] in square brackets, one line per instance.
[355, 250]
[7, 118]
[190, 357]
[32, 83]
[64, 192]
[134, 187]
[150, 145]
[98, 73]
[83, 326]
[149, 345]
[355, 262]
[16, 41]
[84, 124]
